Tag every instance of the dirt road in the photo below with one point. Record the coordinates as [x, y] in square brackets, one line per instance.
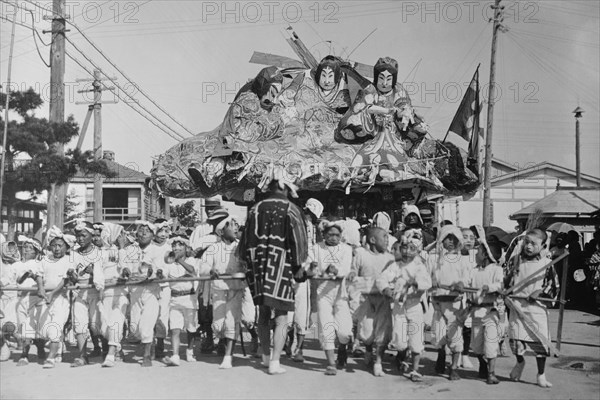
[575, 375]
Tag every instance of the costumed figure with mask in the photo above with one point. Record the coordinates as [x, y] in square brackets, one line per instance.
[214, 162]
[314, 103]
[383, 119]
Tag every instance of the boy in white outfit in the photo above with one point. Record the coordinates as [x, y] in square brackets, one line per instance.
[54, 275]
[114, 305]
[331, 258]
[449, 275]
[28, 304]
[405, 282]
[527, 267]
[87, 269]
[163, 232]
[227, 296]
[469, 251]
[140, 261]
[8, 299]
[374, 313]
[488, 276]
[184, 301]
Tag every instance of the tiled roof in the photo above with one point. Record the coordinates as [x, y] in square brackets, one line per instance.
[530, 171]
[124, 174]
[567, 202]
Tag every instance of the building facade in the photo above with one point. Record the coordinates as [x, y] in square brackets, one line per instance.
[125, 196]
[512, 189]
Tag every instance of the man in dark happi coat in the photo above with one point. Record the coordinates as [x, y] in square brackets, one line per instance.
[274, 246]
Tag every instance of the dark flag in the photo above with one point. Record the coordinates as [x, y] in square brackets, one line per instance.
[466, 122]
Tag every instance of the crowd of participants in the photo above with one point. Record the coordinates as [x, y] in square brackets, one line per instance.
[360, 286]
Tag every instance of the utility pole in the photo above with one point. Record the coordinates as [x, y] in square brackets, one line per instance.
[5, 136]
[487, 203]
[578, 111]
[96, 107]
[57, 193]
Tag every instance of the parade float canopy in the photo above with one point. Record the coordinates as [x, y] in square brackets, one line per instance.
[300, 119]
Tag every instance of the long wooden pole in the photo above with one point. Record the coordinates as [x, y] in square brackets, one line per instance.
[84, 127]
[56, 196]
[487, 201]
[5, 136]
[563, 295]
[98, 178]
[577, 151]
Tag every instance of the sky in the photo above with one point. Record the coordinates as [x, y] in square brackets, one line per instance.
[190, 57]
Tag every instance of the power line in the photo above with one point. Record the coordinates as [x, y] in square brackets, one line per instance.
[124, 100]
[113, 81]
[122, 72]
[549, 67]
[34, 32]
[180, 136]
[121, 98]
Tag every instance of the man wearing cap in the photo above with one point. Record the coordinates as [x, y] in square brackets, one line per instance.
[140, 261]
[204, 228]
[274, 246]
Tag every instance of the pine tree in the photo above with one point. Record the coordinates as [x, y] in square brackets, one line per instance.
[186, 214]
[32, 164]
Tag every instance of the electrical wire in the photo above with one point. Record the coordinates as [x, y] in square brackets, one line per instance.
[33, 32]
[122, 72]
[128, 103]
[180, 136]
[177, 138]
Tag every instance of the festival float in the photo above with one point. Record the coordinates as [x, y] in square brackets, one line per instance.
[350, 140]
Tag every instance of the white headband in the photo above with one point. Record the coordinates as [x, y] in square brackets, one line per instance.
[36, 245]
[324, 225]
[179, 239]
[54, 233]
[80, 225]
[140, 223]
[221, 225]
[162, 225]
